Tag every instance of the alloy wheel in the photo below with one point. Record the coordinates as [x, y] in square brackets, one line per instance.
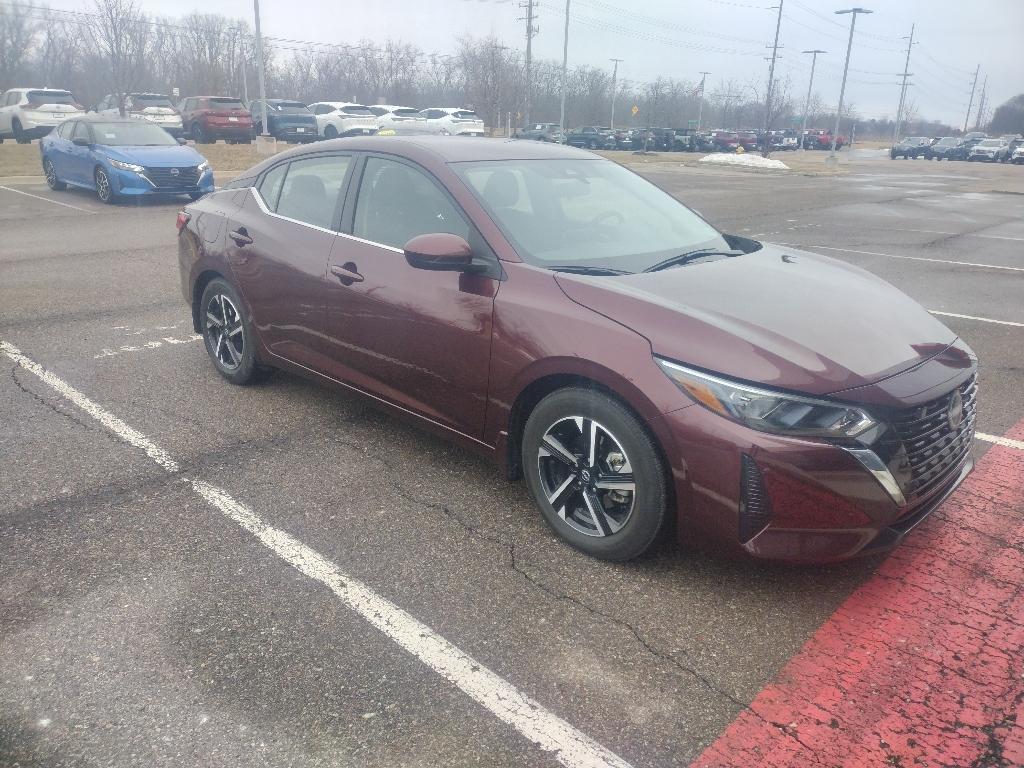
[586, 476]
[224, 335]
[51, 174]
[103, 189]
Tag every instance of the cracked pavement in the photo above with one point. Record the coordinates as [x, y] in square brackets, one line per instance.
[138, 628]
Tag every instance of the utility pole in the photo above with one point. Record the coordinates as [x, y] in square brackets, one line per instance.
[245, 81]
[530, 32]
[765, 147]
[982, 105]
[700, 105]
[565, 70]
[846, 69]
[261, 76]
[903, 89]
[970, 105]
[615, 75]
[807, 104]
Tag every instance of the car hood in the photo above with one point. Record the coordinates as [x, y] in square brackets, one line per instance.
[171, 156]
[779, 317]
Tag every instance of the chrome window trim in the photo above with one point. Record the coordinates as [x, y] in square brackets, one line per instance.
[263, 207]
[870, 461]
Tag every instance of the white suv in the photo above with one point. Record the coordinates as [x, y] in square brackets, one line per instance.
[340, 118]
[391, 117]
[155, 107]
[31, 113]
[453, 121]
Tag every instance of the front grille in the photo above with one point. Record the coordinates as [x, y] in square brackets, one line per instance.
[755, 507]
[928, 447]
[165, 178]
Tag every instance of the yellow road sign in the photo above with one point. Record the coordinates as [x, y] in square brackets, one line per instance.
[634, 110]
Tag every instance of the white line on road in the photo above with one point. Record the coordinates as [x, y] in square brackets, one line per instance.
[962, 234]
[980, 319]
[46, 199]
[571, 747]
[911, 258]
[1006, 442]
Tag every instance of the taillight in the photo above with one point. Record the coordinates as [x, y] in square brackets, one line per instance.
[30, 105]
[183, 218]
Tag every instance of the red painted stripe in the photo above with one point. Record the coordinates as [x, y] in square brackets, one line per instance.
[923, 665]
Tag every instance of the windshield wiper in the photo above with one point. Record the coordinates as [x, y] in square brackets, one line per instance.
[580, 269]
[685, 258]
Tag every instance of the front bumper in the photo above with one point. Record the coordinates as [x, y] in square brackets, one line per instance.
[132, 184]
[825, 505]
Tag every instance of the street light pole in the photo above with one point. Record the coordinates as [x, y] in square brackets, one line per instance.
[903, 90]
[261, 76]
[615, 74]
[565, 69]
[807, 104]
[766, 146]
[846, 69]
[700, 107]
[970, 105]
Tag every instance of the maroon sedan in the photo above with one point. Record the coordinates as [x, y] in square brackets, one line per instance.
[567, 318]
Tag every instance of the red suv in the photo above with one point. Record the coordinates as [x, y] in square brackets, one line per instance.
[208, 118]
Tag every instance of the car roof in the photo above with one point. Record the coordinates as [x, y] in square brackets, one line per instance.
[25, 90]
[234, 98]
[437, 150]
[96, 118]
[340, 104]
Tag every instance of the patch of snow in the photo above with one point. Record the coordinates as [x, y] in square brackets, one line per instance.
[750, 160]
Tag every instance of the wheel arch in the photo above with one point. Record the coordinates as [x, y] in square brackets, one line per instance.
[204, 278]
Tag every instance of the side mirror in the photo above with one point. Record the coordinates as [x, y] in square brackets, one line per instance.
[182, 141]
[79, 141]
[440, 252]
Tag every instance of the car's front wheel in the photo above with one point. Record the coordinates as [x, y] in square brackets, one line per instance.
[227, 332]
[595, 473]
[51, 177]
[104, 188]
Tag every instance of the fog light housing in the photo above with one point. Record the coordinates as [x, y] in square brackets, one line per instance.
[755, 506]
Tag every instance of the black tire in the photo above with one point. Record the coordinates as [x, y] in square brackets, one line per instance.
[237, 364]
[52, 181]
[592, 144]
[19, 135]
[198, 136]
[330, 132]
[622, 533]
[104, 189]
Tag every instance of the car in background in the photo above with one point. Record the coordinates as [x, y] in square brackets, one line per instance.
[581, 327]
[784, 140]
[749, 140]
[592, 137]
[393, 117]
[550, 132]
[1013, 142]
[623, 138]
[287, 120]
[1017, 158]
[31, 113]
[342, 118]
[988, 151]
[122, 157]
[154, 107]
[821, 138]
[452, 121]
[910, 148]
[973, 138]
[208, 118]
[724, 141]
[947, 148]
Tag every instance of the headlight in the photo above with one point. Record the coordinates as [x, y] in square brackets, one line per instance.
[127, 166]
[775, 412]
[203, 167]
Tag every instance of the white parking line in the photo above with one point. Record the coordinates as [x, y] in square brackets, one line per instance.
[980, 319]
[46, 199]
[910, 258]
[569, 746]
[962, 234]
[1006, 442]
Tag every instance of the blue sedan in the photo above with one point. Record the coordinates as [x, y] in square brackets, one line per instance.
[122, 158]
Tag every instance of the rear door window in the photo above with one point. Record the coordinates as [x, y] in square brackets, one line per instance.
[270, 187]
[312, 189]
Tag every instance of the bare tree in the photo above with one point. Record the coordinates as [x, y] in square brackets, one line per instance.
[121, 37]
[18, 32]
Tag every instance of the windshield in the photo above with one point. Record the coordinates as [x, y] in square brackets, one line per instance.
[991, 143]
[138, 133]
[226, 103]
[463, 115]
[49, 97]
[947, 142]
[591, 213]
[143, 100]
[405, 112]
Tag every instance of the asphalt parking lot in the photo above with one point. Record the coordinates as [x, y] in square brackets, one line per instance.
[147, 621]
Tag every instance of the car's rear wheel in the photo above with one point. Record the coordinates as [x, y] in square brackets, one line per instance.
[227, 332]
[51, 177]
[330, 132]
[19, 133]
[198, 135]
[595, 473]
[104, 188]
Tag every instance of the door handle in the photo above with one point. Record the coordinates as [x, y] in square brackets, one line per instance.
[347, 273]
[240, 236]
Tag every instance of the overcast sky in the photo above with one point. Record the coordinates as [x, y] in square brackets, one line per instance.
[679, 38]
